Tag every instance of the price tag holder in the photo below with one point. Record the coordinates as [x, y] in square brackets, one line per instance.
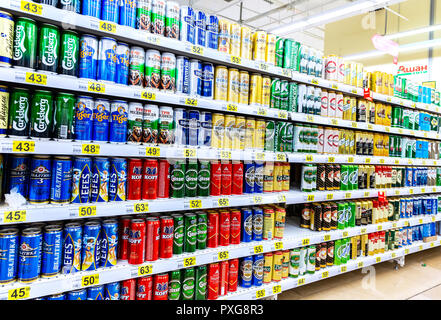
[23, 146]
[281, 157]
[345, 234]
[260, 293]
[258, 249]
[145, 270]
[87, 211]
[141, 207]
[262, 111]
[223, 255]
[310, 198]
[107, 26]
[378, 260]
[19, 293]
[363, 231]
[189, 153]
[310, 118]
[260, 156]
[91, 280]
[225, 155]
[301, 281]
[281, 198]
[331, 159]
[223, 202]
[90, 148]
[195, 204]
[327, 237]
[309, 158]
[348, 195]
[283, 115]
[329, 196]
[334, 122]
[257, 199]
[354, 125]
[148, 95]
[36, 78]
[379, 228]
[394, 255]
[350, 159]
[277, 289]
[96, 87]
[325, 274]
[315, 82]
[360, 264]
[192, 102]
[153, 151]
[367, 160]
[30, 7]
[190, 261]
[343, 269]
[366, 194]
[14, 216]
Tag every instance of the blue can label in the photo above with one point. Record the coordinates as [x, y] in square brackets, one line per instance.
[61, 180]
[249, 178]
[201, 25]
[193, 127]
[88, 57]
[91, 247]
[246, 272]
[107, 60]
[207, 80]
[40, 181]
[206, 127]
[101, 117]
[100, 180]
[247, 225]
[81, 180]
[212, 32]
[77, 295]
[127, 13]
[73, 235]
[110, 10]
[19, 173]
[187, 25]
[117, 181]
[95, 293]
[29, 264]
[83, 119]
[118, 121]
[122, 63]
[8, 255]
[112, 291]
[258, 178]
[258, 262]
[257, 224]
[109, 244]
[52, 252]
[60, 296]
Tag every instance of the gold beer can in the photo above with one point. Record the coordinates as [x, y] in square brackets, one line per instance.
[224, 36]
[268, 177]
[230, 123]
[359, 75]
[353, 108]
[385, 145]
[259, 135]
[256, 89]
[217, 134]
[268, 267]
[354, 73]
[244, 87]
[259, 46]
[279, 219]
[245, 43]
[391, 84]
[270, 50]
[286, 168]
[233, 86]
[277, 266]
[347, 72]
[346, 108]
[235, 36]
[266, 92]
[221, 83]
[385, 83]
[277, 186]
[285, 264]
[239, 137]
[268, 223]
[250, 127]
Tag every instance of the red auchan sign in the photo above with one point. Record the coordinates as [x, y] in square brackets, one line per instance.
[407, 70]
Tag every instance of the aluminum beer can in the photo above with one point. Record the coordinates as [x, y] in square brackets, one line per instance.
[168, 71]
[111, 291]
[194, 118]
[52, 250]
[110, 11]
[127, 13]
[166, 125]
[109, 243]
[224, 36]
[246, 272]
[158, 16]
[195, 78]
[40, 180]
[172, 13]
[200, 28]
[182, 75]
[134, 122]
[235, 39]
[217, 135]
[107, 59]
[137, 67]
[259, 46]
[69, 53]
[81, 176]
[118, 121]
[249, 169]
[122, 63]
[90, 253]
[99, 185]
[150, 123]
[152, 76]
[49, 45]
[88, 57]
[72, 243]
[91, 8]
[257, 224]
[29, 254]
[77, 294]
[256, 89]
[258, 263]
[20, 103]
[205, 129]
[95, 292]
[7, 38]
[187, 32]
[212, 32]
[143, 15]
[83, 118]
[9, 246]
[247, 225]
[229, 124]
[246, 51]
[244, 86]
[221, 83]
[207, 80]
[100, 120]
[233, 85]
[180, 119]
[61, 180]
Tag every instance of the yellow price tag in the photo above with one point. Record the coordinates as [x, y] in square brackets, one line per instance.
[281, 157]
[91, 280]
[379, 228]
[350, 159]
[223, 255]
[89, 148]
[354, 125]
[397, 161]
[231, 107]
[87, 211]
[345, 234]
[394, 225]
[31, 7]
[366, 194]
[223, 202]
[378, 259]
[260, 293]
[420, 247]
[315, 81]
[286, 73]
[145, 270]
[188, 262]
[283, 115]
[331, 159]
[14, 216]
[19, 293]
[420, 221]
[329, 196]
[397, 192]
[354, 91]
[310, 118]
[281, 198]
[387, 129]
[153, 151]
[107, 26]
[257, 199]
[406, 223]
[197, 50]
[310, 197]
[277, 289]
[343, 269]
[363, 231]
[96, 87]
[260, 156]
[195, 204]
[423, 190]
[36, 78]
[225, 154]
[258, 249]
[411, 191]
[309, 158]
[348, 195]
[334, 122]
[334, 86]
[406, 251]
[433, 219]
[367, 160]
[409, 162]
[189, 153]
[394, 254]
[148, 95]
[262, 112]
[432, 244]
[278, 245]
[23, 146]
[235, 59]
[325, 274]
[305, 242]
[193, 102]
[360, 264]
[370, 127]
[433, 189]
[141, 207]
[327, 237]
[301, 281]
[382, 161]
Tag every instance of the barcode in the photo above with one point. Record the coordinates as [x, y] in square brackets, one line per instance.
[63, 132]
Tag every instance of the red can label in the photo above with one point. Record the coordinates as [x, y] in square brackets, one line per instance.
[144, 288]
[128, 289]
[150, 181]
[216, 178]
[213, 229]
[152, 239]
[233, 274]
[163, 179]
[160, 287]
[213, 281]
[166, 244]
[134, 181]
[227, 177]
[224, 228]
[124, 234]
[237, 187]
[137, 241]
[223, 278]
[235, 217]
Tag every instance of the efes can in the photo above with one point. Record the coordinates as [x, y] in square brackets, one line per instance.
[40, 180]
[90, 253]
[256, 89]
[111, 291]
[244, 87]
[78, 294]
[6, 39]
[221, 83]
[82, 171]
[61, 180]
[99, 185]
[117, 179]
[109, 243]
[72, 240]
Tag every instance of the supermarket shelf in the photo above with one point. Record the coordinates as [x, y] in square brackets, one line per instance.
[315, 119]
[139, 37]
[297, 196]
[52, 212]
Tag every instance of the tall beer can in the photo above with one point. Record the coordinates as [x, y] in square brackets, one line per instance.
[224, 36]
[266, 92]
[233, 86]
[221, 83]
[259, 46]
[244, 87]
[256, 89]
[245, 43]
[270, 50]
[235, 38]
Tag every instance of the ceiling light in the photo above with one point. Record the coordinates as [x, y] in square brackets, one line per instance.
[413, 32]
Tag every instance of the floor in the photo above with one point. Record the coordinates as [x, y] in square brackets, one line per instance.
[419, 279]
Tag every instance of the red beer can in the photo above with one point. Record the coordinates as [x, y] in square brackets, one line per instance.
[235, 217]
[216, 178]
[150, 181]
[213, 229]
[153, 235]
[124, 234]
[166, 242]
[227, 177]
[237, 186]
[144, 288]
[134, 181]
[163, 179]
[223, 278]
[128, 288]
[224, 228]
[213, 281]
[233, 273]
[137, 241]
[160, 286]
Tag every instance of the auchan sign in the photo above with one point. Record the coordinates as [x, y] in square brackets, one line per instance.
[409, 70]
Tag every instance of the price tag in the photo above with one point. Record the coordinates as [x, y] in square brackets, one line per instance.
[325, 274]
[281, 157]
[331, 159]
[366, 194]
[397, 161]
[14, 216]
[397, 192]
[278, 245]
[260, 293]
[225, 154]
[334, 86]
[189, 153]
[354, 125]
[329, 196]
[310, 118]
[400, 131]
[433, 219]
[277, 289]
[107, 26]
[410, 191]
[258, 249]
[424, 162]
[148, 95]
[96, 87]
[360, 264]
[354, 91]
[283, 115]
[281, 198]
[315, 81]
[31, 7]
[301, 281]
[223, 202]
[36, 78]
[91, 280]
[262, 112]
[231, 107]
[145, 270]
[350, 159]
[334, 122]
[387, 129]
[379, 228]
[257, 199]
[420, 247]
[223, 255]
[193, 102]
[394, 225]
[286, 73]
[343, 269]
[420, 221]
[367, 160]
[406, 223]
[394, 254]
[381, 161]
[87, 211]
[370, 127]
[188, 262]
[378, 259]
[423, 190]
[309, 158]
[305, 242]
[433, 189]
[310, 198]
[195, 204]
[89, 148]
[236, 60]
[197, 50]
[19, 293]
[432, 244]
[345, 234]
[23, 146]
[260, 156]
[409, 161]
[141, 207]
[327, 237]
[348, 195]
[363, 231]
[153, 151]
[425, 134]
[263, 66]
[406, 251]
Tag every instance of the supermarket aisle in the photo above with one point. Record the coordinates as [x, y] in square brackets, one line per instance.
[419, 279]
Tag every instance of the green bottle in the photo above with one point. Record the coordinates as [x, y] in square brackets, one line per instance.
[188, 282]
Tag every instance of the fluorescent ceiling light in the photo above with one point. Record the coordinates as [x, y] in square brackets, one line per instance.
[413, 32]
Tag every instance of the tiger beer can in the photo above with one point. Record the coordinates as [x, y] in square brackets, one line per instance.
[221, 83]
[233, 86]
[256, 89]
[266, 92]
[244, 87]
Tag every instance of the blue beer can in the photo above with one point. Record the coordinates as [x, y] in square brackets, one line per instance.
[90, 252]
[61, 180]
[91, 8]
[127, 13]
[194, 117]
[52, 250]
[73, 236]
[109, 243]
[99, 186]
[258, 269]
[100, 120]
[212, 31]
[88, 56]
[257, 224]
[110, 10]
[416, 207]
[19, 174]
[122, 63]
[95, 293]
[77, 294]
[205, 129]
[83, 118]
[118, 179]
[81, 177]
[180, 118]
[187, 25]
[182, 75]
[111, 291]
[415, 173]
[258, 177]
[247, 225]
[409, 208]
[106, 70]
[429, 204]
[207, 80]
[29, 254]
[40, 180]
[409, 178]
[59, 296]
[118, 121]
[434, 206]
[9, 241]
[246, 272]
[201, 28]
[195, 78]
[402, 208]
[69, 5]
[249, 170]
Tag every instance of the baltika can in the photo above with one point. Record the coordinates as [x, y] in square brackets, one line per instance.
[127, 13]
[90, 252]
[77, 294]
[235, 221]
[95, 292]
[110, 10]
[19, 174]
[7, 38]
[158, 16]
[52, 250]
[172, 14]
[144, 288]
[258, 262]
[128, 290]
[221, 83]
[29, 255]
[59, 296]
[106, 70]
[255, 95]
[187, 32]
[137, 67]
[160, 286]
[143, 15]
[72, 244]
[246, 272]
[99, 184]
[24, 51]
[81, 178]
[137, 241]
[83, 118]
[205, 129]
[150, 123]
[152, 77]
[9, 245]
[88, 57]
[118, 121]
[91, 8]
[182, 75]
[100, 120]
[212, 32]
[109, 243]
[61, 180]
[134, 179]
[150, 179]
[153, 236]
[122, 63]
[168, 71]
[111, 291]
[247, 225]
[134, 122]
[207, 80]
[40, 180]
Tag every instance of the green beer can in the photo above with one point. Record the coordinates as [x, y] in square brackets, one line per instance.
[63, 116]
[202, 229]
[201, 283]
[191, 232]
[284, 94]
[177, 178]
[270, 132]
[344, 177]
[351, 212]
[19, 105]
[275, 93]
[69, 53]
[293, 94]
[337, 252]
[49, 48]
[204, 178]
[341, 216]
[191, 179]
[279, 51]
[178, 233]
[188, 282]
[41, 114]
[24, 51]
[134, 122]
[288, 46]
[174, 285]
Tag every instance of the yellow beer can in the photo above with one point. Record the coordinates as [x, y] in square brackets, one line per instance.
[268, 177]
[285, 264]
[256, 89]
[347, 66]
[266, 92]
[244, 87]
[268, 223]
[277, 266]
[354, 73]
[391, 84]
[230, 123]
[259, 46]
[268, 267]
[388, 115]
[239, 137]
[235, 34]
[346, 108]
[259, 135]
[250, 127]
[385, 145]
[353, 109]
[359, 75]
[245, 43]
[278, 171]
[224, 37]
[385, 83]
[217, 134]
[220, 83]
[233, 85]
[286, 174]
[279, 217]
[270, 50]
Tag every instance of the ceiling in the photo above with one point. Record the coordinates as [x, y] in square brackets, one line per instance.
[268, 14]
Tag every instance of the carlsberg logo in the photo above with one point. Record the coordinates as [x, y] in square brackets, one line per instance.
[19, 43]
[21, 115]
[69, 60]
[42, 119]
[51, 56]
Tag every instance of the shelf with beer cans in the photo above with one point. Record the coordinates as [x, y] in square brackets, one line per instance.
[132, 36]
[275, 288]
